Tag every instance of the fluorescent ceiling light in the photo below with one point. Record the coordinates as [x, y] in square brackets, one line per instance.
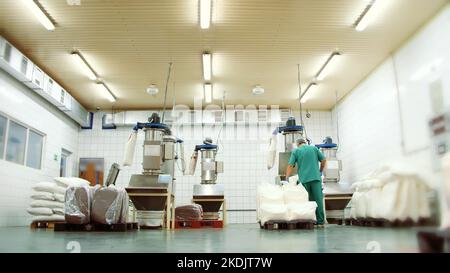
[367, 16]
[205, 13]
[207, 87]
[152, 89]
[207, 66]
[327, 66]
[39, 14]
[107, 92]
[307, 94]
[258, 90]
[84, 66]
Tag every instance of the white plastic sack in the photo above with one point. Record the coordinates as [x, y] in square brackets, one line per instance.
[130, 147]
[272, 152]
[270, 194]
[78, 205]
[192, 164]
[46, 204]
[272, 212]
[293, 180]
[51, 218]
[294, 194]
[41, 195]
[40, 211]
[58, 212]
[48, 187]
[110, 206]
[58, 197]
[66, 182]
[304, 211]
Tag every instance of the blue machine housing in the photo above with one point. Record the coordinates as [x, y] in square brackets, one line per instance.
[141, 125]
[205, 147]
[326, 146]
[290, 128]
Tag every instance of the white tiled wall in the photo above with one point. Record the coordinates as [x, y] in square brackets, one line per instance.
[22, 104]
[369, 118]
[243, 149]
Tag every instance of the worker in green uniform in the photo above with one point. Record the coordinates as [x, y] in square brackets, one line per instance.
[307, 159]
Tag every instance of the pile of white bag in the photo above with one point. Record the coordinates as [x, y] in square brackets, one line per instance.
[284, 203]
[391, 194]
[103, 205]
[48, 198]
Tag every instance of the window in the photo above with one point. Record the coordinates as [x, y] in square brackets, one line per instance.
[15, 148]
[20, 144]
[34, 150]
[3, 121]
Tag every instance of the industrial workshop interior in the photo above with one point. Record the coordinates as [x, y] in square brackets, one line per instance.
[224, 126]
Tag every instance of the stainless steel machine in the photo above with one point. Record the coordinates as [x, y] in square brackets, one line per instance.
[337, 195]
[208, 193]
[152, 191]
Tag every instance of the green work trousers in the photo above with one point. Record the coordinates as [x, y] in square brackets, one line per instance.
[314, 189]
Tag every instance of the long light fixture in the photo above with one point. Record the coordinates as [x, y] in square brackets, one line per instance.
[325, 69]
[107, 92]
[84, 66]
[207, 88]
[205, 13]
[367, 16]
[39, 14]
[207, 68]
[306, 95]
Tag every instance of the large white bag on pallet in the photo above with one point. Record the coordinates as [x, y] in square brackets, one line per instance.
[77, 208]
[294, 194]
[110, 206]
[303, 211]
[268, 194]
[272, 212]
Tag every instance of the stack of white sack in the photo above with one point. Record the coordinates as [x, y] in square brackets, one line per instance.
[391, 193]
[48, 198]
[104, 205]
[284, 203]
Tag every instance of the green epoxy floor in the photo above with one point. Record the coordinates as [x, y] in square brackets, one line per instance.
[233, 238]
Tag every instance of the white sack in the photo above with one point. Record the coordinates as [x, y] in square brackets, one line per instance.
[48, 187]
[304, 211]
[58, 197]
[294, 194]
[130, 147]
[41, 195]
[273, 212]
[66, 182]
[40, 211]
[272, 152]
[51, 218]
[46, 204]
[58, 212]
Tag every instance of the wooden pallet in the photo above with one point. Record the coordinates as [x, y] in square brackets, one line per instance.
[287, 225]
[96, 227]
[186, 224]
[383, 223]
[43, 224]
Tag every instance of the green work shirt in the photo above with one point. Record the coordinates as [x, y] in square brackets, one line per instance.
[307, 159]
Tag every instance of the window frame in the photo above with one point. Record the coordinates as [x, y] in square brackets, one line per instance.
[28, 128]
